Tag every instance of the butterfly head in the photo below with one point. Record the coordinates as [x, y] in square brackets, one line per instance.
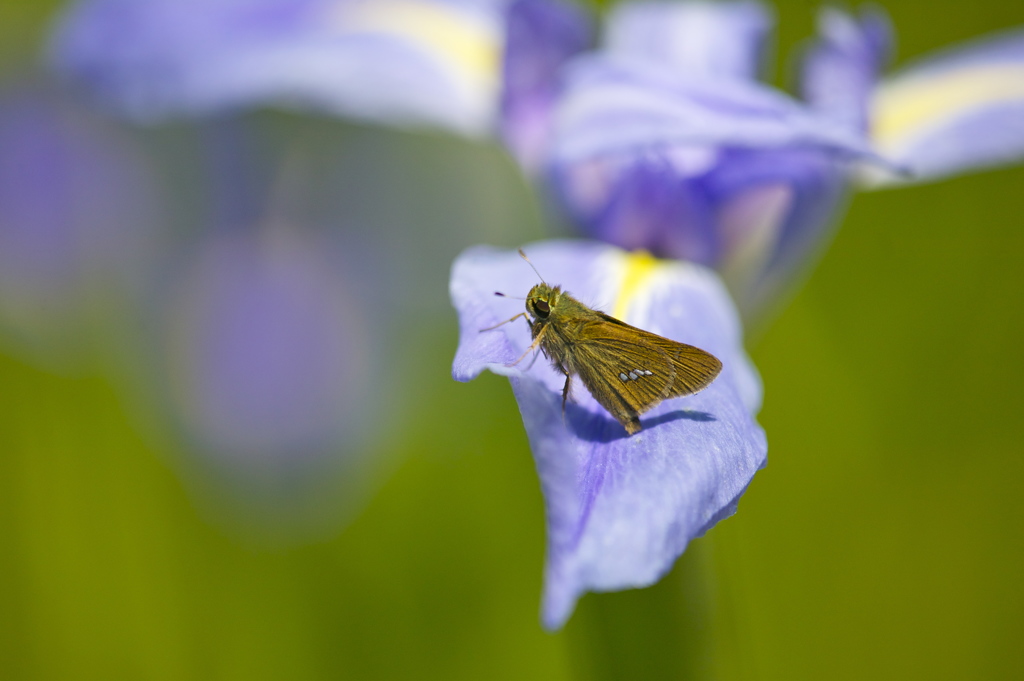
[541, 300]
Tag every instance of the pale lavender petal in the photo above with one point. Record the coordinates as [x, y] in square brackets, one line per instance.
[616, 106]
[620, 509]
[718, 39]
[402, 62]
[541, 36]
[842, 68]
[957, 111]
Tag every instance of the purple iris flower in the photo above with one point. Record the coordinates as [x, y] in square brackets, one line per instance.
[403, 62]
[620, 509]
[665, 140]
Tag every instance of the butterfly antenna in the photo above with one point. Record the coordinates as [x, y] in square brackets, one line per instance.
[523, 256]
[504, 295]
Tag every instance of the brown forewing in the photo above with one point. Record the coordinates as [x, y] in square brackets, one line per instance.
[607, 350]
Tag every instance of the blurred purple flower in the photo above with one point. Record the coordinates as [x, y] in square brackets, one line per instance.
[403, 62]
[77, 220]
[665, 141]
[841, 68]
[955, 111]
[619, 509]
[267, 362]
[541, 36]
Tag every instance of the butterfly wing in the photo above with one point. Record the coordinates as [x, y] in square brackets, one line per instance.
[629, 370]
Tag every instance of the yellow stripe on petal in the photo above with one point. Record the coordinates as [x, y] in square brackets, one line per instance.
[638, 268]
[469, 45]
[906, 108]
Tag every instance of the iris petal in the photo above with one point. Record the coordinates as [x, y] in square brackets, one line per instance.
[957, 111]
[402, 62]
[842, 69]
[618, 105]
[721, 39]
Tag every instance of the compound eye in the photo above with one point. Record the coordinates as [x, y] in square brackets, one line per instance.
[542, 307]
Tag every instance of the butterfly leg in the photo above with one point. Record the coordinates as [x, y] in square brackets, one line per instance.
[565, 391]
[512, 319]
[533, 345]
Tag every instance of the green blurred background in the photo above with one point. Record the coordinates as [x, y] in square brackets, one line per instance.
[883, 541]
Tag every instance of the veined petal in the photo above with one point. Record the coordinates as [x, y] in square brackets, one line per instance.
[960, 110]
[717, 39]
[619, 509]
[841, 70]
[402, 62]
[614, 105]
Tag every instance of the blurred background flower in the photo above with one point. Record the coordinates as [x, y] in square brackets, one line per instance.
[433, 62]
[261, 359]
[667, 140]
[269, 373]
[541, 36]
[887, 522]
[79, 210]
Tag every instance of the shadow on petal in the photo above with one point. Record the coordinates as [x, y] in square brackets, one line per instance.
[603, 428]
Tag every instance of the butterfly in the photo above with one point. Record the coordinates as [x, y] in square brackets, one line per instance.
[628, 370]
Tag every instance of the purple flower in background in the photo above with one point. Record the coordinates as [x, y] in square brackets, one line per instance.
[78, 215]
[620, 509]
[666, 141]
[246, 350]
[959, 110]
[267, 368]
[404, 62]
[541, 36]
[841, 68]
